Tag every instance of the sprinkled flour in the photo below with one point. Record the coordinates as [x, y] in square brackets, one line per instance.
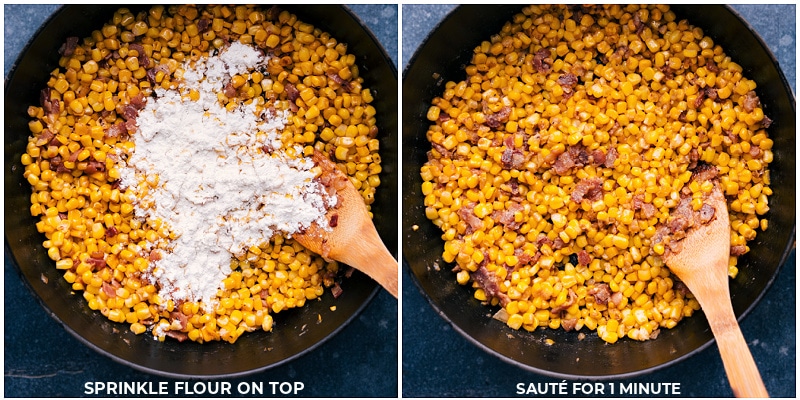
[217, 189]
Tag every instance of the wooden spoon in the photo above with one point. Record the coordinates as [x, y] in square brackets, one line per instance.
[700, 260]
[353, 239]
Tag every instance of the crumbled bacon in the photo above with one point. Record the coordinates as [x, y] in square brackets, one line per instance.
[506, 217]
[584, 258]
[95, 166]
[152, 72]
[569, 324]
[467, 214]
[512, 158]
[202, 25]
[49, 105]
[498, 119]
[571, 297]
[138, 102]
[568, 80]
[111, 232]
[116, 130]
[589, 188]
[334, 221]
[750, 101]
[144, 61]
[706, 213]
[182, 319]
[711, 66]
[488, 282]
[109, 290]
[542, 61]
[683, 216]
[155, 255]
[57, 164]
[336, 290]
[637, 23]
[601, 293]
[97, 261]
[334, 75]
[229, 91]
[293, 94]
[704, 93]
[177, 335]
[738, 250]
[69, 46]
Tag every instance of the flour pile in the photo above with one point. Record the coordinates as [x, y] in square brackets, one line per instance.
[217, 189]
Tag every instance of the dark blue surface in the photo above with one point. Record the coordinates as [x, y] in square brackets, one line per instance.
[43, 360]
[439, 362]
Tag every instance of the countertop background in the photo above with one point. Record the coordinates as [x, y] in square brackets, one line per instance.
[439, 362]
[43, 360]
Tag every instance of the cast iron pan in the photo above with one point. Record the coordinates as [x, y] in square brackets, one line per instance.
[442, 58]
[297, 331]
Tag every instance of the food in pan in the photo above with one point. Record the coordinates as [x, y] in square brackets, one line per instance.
[169, 165]
[556, 162]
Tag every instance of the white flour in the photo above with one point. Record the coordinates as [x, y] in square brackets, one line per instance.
[217, 189]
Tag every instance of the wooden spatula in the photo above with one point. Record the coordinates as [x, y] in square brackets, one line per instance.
[700, 260]
[352, 239]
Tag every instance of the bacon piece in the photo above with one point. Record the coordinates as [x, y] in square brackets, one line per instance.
[182, 319]
[611, 157]
[711, 66]
[334, 75]
[95, 166]
[738, 250]
[151, 73]
[512, 158]
[109, 290]
[488, 282]
[57, 164]
[138, 102]
[706, 213]
[144, 61]
[336, 290]
[97, 261]
[69, 46]
[506, 217]
[584, 258]
[575, 156]
[52, 107]
[334, 221]
[498, 119]
[230, 91]
[542, 61]
[177, 335]
[589, 188]
[601, 293]
[111, 232]
[155, 255]
[766, 122]
[568, 80]
[202, 25]
[571, 297]
[116, 130]
[45, 137]
[637, 23]
[467, 214]
[569, 324]
[750, 101]
[293, 94]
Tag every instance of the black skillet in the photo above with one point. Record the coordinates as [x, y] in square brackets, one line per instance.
[295, 332]
[442, 58]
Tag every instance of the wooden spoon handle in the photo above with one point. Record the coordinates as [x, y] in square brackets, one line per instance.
[365, 255]
[743, 375]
